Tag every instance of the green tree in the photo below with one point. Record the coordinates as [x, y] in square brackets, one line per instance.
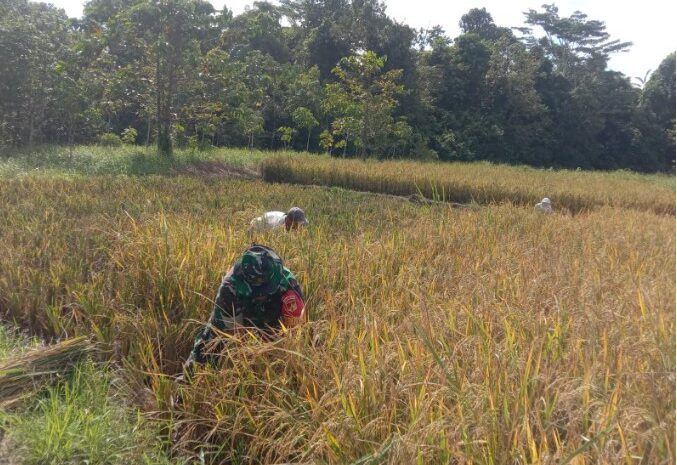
[286, 134]
[305, 119]
[455, 84]
[480, 22]
[324, 28]
[33, 37]
[171, 30]
[363, 101]
[513, 105]
[657, 106]
[250, 122]
[573, 40]
[326, 141]
[256, 29]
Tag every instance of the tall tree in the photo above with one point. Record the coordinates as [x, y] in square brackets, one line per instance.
[363, 101]
[513, 105]
[172, 29]
[33, 37]
[305, 119]
[657, 105]
[480, 22]
[573, 40]
[457, 90]
[256, 29]
[326, 27]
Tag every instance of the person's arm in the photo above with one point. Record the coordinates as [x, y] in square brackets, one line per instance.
[225, 317]
[293, 306]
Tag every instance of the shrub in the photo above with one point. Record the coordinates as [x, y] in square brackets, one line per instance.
[179, 134]
[110, 139]
[129, 136]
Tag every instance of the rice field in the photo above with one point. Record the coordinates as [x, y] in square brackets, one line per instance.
[481, 183]
[435, 335]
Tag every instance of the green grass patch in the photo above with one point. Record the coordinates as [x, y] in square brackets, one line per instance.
[79, 421]
[13, 342]
[124, 160]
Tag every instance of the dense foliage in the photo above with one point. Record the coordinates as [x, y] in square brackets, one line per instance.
[331, 75]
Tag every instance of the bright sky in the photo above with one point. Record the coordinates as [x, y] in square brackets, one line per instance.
[648, 24]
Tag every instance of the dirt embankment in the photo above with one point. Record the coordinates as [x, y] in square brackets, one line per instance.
[213, 169]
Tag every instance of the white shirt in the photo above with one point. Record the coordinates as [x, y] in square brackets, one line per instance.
[270, 220]
[544, 207]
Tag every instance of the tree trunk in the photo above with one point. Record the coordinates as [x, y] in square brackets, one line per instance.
[31, 124]
[148, 131]
[158, 91]
[70, 129]
[308, 140]
[163, 84]
[31, 119]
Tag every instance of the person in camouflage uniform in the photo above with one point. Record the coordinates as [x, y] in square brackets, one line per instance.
[258, 292]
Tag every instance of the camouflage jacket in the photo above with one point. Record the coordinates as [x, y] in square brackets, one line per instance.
[239, 304]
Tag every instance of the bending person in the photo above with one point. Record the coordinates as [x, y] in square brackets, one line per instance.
[293, 219]
[258, 292]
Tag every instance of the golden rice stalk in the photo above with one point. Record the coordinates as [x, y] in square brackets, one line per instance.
[21, 375]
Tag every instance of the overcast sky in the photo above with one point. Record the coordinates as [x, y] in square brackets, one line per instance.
[648, 24]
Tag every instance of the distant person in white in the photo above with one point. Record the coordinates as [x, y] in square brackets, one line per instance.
[294, 218]
[544, 206]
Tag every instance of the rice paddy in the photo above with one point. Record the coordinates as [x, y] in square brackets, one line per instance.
[481, 183]
[436, 335]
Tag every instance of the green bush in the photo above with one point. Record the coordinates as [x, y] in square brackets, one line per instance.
[129, 136]
[179, 135]
[110, 139]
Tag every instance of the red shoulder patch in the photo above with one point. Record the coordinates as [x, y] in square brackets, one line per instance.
[292, 304]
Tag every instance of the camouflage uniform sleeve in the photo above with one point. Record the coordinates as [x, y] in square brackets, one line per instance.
[296, 287]
[293, 283]
[225, 317]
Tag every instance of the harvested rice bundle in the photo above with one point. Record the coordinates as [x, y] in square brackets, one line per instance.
[21, 375]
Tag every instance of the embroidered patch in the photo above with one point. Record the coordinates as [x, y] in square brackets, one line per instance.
[292, 305]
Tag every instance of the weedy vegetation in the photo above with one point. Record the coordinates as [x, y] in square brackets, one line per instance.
[435, 335]
[130, 160]
[78, 421]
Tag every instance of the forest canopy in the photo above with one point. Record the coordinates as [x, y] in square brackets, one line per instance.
[337, 76]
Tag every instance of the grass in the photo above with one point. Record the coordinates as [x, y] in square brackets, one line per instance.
[481, 183]
[78, 418]
[77, 421]
[13, 343]
[125, 160]
[436, 335]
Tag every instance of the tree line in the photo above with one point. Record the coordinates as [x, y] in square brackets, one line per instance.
[336, 76]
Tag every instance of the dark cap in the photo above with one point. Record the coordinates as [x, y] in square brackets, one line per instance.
[297, 216]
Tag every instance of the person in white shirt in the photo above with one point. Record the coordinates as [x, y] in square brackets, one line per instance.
[544, 206]
[294, 218]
